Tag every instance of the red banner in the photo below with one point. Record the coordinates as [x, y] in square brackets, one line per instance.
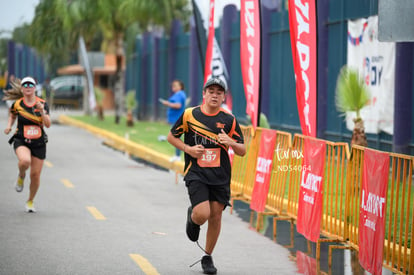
[302, 22]
[263, 170]
[311, 189]
[250, 55]
[210, 41]
[372, 210]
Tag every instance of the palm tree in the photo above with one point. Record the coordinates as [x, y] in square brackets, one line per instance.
[47, 35]
[55, 31]
[351, 96]
[58, 24]
[114, 17]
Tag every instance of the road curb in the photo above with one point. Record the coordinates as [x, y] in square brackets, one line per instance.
[125, 145]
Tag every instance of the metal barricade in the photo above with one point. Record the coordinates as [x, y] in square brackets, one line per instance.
[399, 230]
[277, 196]
[333, 214]
[239, 165]
[243, 170]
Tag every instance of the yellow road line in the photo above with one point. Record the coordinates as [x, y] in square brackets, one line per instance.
[67, 183]
[144, 264]
[48, 163]
[97, 215]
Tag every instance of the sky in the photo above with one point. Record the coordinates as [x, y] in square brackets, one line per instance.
[17, 12]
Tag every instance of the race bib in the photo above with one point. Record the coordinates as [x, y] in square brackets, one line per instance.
[32, 131]
[210, 158]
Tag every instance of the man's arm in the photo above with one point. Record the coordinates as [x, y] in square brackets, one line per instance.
[176, 142]
[195, 151]
[238, 148]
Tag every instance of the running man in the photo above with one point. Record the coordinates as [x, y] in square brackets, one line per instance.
[29, 140]
[209, 131]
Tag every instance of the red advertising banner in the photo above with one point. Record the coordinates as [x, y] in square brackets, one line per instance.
[302, 22]
[372, 210]
[250, 55]
[210, 41]
[311, 189]
[263, 170]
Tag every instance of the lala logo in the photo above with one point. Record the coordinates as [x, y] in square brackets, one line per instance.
[220, 125]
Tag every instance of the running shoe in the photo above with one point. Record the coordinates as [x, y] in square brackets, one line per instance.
[19, 184]
[192, 229]
[208, 265]
[30, 207]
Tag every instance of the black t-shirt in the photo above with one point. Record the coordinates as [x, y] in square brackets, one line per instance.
[200, 128]
[29, 121]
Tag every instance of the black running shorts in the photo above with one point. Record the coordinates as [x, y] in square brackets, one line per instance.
[199, 192]
[38, 150]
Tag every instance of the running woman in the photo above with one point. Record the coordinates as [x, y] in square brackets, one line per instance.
[209, 131]
[29, 140]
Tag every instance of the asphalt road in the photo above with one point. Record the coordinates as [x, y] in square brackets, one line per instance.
[99, 212]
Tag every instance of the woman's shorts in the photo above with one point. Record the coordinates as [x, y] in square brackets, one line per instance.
[36, 150]
[199, 192]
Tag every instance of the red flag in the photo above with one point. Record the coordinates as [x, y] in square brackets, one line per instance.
[263, 170]
[302, 22]
[311, 189]
[210, 41]
[372, 210]
[250, 55]
[217, 67]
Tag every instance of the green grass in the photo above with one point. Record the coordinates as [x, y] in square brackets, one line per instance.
[143, 132]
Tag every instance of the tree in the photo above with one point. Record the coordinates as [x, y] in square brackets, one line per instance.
[48, 36]
[116, 16]
[59, 23]
[351, 96]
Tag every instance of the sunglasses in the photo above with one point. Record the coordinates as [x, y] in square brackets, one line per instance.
[28, 85]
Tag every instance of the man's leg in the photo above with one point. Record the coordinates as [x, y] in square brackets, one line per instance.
[214, 225]
[201, 213]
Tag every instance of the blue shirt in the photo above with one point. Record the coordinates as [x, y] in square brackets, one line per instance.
[174, 114]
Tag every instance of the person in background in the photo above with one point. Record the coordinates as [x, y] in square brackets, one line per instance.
[209, 131]
[10, 79]
[29, 140]
[176, 106]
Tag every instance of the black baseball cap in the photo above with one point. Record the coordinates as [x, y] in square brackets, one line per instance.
[215, 81]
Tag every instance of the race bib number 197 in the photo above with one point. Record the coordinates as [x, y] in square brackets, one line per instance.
[210, 158]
